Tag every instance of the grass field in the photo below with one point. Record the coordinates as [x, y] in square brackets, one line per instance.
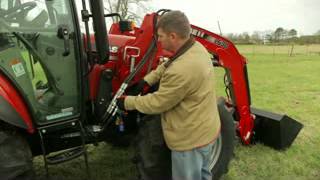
[279, 83]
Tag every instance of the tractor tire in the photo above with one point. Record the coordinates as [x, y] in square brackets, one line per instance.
[224, 145]
[16, 157]
[153, 157]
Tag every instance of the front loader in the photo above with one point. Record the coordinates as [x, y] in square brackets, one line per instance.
[59, 83]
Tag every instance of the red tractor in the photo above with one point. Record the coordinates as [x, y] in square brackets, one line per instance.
[59, 87]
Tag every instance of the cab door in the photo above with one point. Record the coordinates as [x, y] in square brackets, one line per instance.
[42, 57]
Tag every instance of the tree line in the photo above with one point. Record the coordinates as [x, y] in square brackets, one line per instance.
[278, 36]
[136, 9]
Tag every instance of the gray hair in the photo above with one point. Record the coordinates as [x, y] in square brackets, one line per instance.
[175, 21]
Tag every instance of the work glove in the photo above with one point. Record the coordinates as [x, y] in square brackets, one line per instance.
[140, 88]
[120, 102]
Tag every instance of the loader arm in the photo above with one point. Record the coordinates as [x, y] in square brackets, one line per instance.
[272, 129]
[227, 56]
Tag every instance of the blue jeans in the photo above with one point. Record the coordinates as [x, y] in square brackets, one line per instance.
[192, 164]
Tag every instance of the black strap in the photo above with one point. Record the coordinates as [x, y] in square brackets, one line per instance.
[184, 48]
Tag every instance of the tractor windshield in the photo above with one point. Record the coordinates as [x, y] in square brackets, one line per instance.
[38, 54]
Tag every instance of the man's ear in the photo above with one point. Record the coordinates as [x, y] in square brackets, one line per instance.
[173, 36]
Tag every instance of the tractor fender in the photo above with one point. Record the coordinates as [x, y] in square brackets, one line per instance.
[13, 110]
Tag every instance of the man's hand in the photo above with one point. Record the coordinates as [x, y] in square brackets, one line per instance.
[139, 88]
[120, 102]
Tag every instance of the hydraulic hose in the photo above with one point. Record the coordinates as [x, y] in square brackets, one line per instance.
[112, 108]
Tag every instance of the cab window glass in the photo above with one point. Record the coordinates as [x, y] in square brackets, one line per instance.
[40, 61]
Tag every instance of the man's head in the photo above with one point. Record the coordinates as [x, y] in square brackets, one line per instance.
[173, 30]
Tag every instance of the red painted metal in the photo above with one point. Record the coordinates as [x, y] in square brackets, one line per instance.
[120, 64]
[143, 37]
[229, 58]
[9, 93]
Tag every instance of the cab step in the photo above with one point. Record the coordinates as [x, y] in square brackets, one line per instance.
[65, 155]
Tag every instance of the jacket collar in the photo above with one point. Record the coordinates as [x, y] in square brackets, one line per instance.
[184, 48]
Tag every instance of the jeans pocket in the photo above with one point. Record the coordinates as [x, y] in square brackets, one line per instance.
[206, 149]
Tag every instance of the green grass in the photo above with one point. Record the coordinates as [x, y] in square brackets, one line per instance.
[281, 49]
[105, 162]
[286, 85]
[279, 83]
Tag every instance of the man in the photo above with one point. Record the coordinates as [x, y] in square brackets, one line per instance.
[186, 99]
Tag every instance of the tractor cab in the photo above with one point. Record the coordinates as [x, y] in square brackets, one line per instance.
[39, 55]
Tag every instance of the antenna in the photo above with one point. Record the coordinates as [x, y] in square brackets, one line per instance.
[219, 28]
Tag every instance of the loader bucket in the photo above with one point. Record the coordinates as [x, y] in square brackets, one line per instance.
[275, 130]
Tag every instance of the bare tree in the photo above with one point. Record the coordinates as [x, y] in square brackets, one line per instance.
[128, 9]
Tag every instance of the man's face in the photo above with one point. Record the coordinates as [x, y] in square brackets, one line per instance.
[166, 40]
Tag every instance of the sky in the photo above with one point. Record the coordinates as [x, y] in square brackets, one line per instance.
[237, 16]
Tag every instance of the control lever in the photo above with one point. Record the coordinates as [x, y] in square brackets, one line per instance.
[63, 33]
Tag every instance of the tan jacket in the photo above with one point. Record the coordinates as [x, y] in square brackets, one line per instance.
[186, 100]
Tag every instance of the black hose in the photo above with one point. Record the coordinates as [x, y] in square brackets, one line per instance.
[142, 62]
[106, 115]
[227, 88]
[113, 14]
[153, 47]
[162, 11]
